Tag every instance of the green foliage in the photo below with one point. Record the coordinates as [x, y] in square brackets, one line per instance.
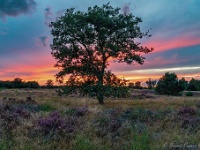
[19, 83]
[140, 141]
[84, 143]
[32, 84]
[194, 85]
[6, 144]
[85, 41]
[183, 84]
[169, 84]
[88, 86]
[47, 108]
[189, 94]
[120, 92]
[1, 89]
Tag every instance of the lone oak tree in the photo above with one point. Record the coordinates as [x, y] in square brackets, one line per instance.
[84, 41]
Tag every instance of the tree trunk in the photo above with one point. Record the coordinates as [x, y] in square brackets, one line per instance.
[100, 97]
[100, 94]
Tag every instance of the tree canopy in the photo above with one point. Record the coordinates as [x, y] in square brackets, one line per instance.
[169, 84]
[84, 41]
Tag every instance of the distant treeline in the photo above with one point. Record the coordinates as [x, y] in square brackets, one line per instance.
[110, 80]
[19, 83]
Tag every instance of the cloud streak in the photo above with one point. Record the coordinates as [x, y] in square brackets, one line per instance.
[43, 40]
[13, 8]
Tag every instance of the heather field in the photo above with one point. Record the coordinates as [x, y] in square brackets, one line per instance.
[40, 119]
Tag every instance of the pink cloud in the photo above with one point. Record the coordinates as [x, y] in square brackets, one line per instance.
[177, 42]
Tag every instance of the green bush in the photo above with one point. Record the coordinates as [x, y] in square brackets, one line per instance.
[194, 85]
[169, 85]
[84, 143]
[140, 141]
[189, 94]
[47, 108]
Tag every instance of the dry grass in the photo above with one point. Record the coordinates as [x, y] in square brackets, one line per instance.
[161, 132]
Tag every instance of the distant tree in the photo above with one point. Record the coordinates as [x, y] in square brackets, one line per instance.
[49, 83]
[138, 85]
[194, 85]
[84, 42]
[131, 84]
[169, 84]
[183, 84]
[151, 83]
[18, 83]
[32, 84]
[6, 84]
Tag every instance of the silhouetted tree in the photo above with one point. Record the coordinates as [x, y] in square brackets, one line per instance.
[32, 84]
[151, 83]
[194, 85]
[138, 85]
[169, 84]
[84, 41]
[131, 85]
[183, 84]
[49, 83]
[18, 83]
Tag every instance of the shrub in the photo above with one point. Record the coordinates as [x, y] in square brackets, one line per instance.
[47, 108]
[11, 117]
[189, 94]
[77, 111]
[140, 141]
[186, 111]
[54, 123]
[56, 127]
[188, 118]
[194, 85]
[83, 142]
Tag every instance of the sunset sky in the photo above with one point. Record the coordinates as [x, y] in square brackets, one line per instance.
[25, 37]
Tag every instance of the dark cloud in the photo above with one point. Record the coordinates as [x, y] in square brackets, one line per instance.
[126, 8]
[43, 40]
[48, 13]
[175, 20]
[15, 8]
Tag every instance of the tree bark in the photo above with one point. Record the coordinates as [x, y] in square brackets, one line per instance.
[100, 95]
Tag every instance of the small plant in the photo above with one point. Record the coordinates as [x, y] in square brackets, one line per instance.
[57, 127]
[186, 111]
[6, 144]
[11, 117]
[84, 143]
[140, 141]
[188, 118]
[77, 111]
[189, 94]
[47, 108]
